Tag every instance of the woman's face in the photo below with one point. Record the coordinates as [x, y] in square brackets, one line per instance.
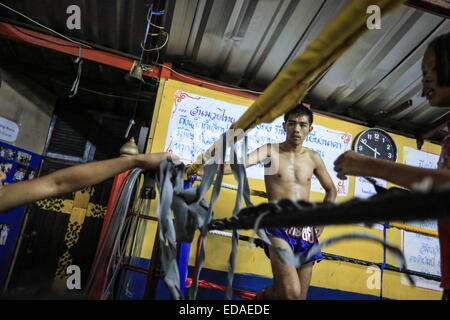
[436, 95]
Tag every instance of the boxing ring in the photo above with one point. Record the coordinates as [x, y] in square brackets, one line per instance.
[191, 212]
[378, 207]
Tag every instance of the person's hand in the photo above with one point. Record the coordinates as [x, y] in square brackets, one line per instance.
[200, 172]
[201, 159]
[174, 158]
[151, 161]
[351, 163]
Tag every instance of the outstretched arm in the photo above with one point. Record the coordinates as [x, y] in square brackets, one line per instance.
[75, 178]
[355, 164]
[254, 157]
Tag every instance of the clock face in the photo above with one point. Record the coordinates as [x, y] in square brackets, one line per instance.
[376, 143]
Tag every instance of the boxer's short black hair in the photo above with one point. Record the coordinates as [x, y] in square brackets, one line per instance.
[299, 110]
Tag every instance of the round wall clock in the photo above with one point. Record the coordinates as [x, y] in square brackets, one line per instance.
[376, 143]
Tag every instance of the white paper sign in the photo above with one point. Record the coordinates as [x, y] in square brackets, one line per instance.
[419, 158]
[329, 144]
[196, 122]
[8, 130]
[422, 252]
[364, 189]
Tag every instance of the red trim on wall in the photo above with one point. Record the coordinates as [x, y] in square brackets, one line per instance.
[209, 85]
[67, 47]
[110, 59]
[165, 72]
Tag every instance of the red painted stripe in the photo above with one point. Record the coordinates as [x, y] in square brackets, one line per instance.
[236, 292]
[106, 58]
[67, 47]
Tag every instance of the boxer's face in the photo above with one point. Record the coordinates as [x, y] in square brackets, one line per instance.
[297, 129]
[436, 95]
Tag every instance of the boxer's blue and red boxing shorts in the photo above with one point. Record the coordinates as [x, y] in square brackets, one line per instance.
[301, 240]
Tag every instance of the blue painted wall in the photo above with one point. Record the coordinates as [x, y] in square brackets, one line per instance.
[14, 217]
[245, 282]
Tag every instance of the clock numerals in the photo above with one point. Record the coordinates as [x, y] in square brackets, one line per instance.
[376, 143]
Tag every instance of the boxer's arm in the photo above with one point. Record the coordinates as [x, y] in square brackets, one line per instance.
[324, 178]
[253, 158]
[326, 182]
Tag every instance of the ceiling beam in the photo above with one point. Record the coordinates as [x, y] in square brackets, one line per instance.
[437, 7]
[382, 116]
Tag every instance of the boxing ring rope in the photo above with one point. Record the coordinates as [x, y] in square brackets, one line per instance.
[393, 205]
[327, 256]
[418, 230]
[400, 226]
[292, 83]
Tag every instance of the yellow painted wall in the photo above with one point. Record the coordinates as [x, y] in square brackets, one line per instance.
[328, 274]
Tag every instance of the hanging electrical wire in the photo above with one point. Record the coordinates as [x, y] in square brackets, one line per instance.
[139, 67]
[78, 61]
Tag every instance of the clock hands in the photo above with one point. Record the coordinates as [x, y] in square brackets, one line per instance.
[374, 150]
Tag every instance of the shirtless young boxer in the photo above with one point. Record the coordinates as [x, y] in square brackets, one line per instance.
[289, 168]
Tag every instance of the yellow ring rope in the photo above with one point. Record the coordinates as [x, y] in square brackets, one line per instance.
[423, 231]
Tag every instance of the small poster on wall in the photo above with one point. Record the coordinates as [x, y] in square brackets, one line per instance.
[8, 130]
[5, 167]
[7, 153]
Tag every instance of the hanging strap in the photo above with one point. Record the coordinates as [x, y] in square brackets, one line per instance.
[190, 212]
[76, 83]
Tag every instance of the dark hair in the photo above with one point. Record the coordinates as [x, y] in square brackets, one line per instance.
[299, 110]
[441, 48]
